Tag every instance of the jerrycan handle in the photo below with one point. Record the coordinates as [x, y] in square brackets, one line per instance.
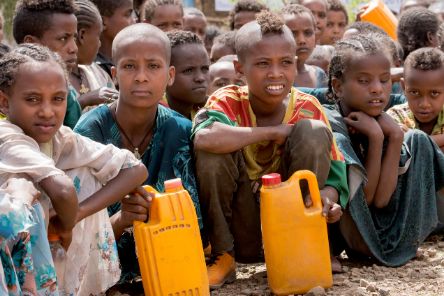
[313, 187]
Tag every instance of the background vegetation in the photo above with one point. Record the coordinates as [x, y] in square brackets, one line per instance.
[7, 6]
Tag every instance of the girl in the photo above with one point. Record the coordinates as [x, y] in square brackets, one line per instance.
[33, 91]
[393, 183]
[91, 82]
[302, 23]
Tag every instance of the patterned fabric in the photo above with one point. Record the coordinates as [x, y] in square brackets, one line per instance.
[168, 156]
[406, 120]
[92, 264]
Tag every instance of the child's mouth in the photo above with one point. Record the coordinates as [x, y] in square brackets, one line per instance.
[275, 88]
[45, 128]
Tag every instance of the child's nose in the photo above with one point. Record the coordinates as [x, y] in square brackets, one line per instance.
[141, 75]
[376, 87]
[275, 72]
[46, 111]
[72, 46]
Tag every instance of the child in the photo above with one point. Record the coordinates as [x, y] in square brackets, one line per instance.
[138, 7]
[190, 59]
[245, 132]
[302, 24]
[424, 88]
[195, 21]
[319, 10]
[222, 73]
[33, 96]
[167, 15]
[53, 24]
[211, 32]
[392, 183]
[417, 28]
[321, 57]
[159, 136]
[337, 20]
[223, 45]
[244, 11]
[116, 15]
[92, 83]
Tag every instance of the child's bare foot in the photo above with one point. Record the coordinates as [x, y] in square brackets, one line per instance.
[336, 266]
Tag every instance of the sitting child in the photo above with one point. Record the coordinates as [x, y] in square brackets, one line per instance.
[159, 136]
[116, 15]
[33, 91]
[337, 20]
[223, 45]
[167, 15]
[93, 84]
[245, 132]
[195, 21]
[302, 24]
[222, 73]
[190, 59]
[393, 178]
[244, 11]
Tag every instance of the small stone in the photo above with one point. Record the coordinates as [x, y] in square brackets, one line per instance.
[244, 270]
[374, 294]
[360, 291]
[316, 291]
[371, 288]
[379, 277]
[431, 253]
[384, 291]
[246, 291]
[363, 283]
[345, 269]
[346, 283]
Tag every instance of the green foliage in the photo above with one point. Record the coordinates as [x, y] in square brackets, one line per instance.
[7, 6]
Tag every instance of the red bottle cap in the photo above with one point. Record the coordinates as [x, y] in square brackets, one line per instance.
[53, 237]
[271, 179]
[170, 185]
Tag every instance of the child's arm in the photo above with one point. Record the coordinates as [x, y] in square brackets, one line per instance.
[63, 196]
[390, 162]
[126, 181]
[223, 138]
[369, 127]
[439, 140]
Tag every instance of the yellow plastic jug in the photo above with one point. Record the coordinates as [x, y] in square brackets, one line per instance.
[380, 15]
[169, 247]
[295, 238]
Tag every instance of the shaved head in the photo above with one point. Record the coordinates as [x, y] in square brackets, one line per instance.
[138, 32]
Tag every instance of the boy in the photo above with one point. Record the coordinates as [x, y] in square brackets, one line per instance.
[116, 15]
[244, 11]
[54, 25]
[222, 73]
[337, 20]
[190, 59]
[243, 133]
[223, 45]
[167, 15]
[423, 85]
[195, 21]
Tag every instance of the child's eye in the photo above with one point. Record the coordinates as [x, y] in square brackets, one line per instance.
[177, 25]
[129, 66]
[221, 84]
[435, 93]
[414, 92]
[32, 99]
[329, 25]
[188, 71]
[205, 69]
[154, 66]
[308, 33]
[363, 81]
[59, 98]
[287, 62]
[262, 64]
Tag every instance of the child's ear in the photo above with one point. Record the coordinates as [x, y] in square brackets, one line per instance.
[432, 39]
[114, 75]
[171, 75]
[402, 84]
[238, 67]
[31, 39]
[4, 104]
[81, 36]
[105, 21]
[337, 86]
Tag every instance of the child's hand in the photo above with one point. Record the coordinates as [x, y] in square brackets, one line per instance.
[330, 209]
[281, 133]
[389, 126]
[364, 124]
[135, 207]
[98, 96]
[55, 226]
[23, 189]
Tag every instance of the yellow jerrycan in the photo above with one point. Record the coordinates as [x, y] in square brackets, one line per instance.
[380, 15]
[295, 238]
[169, 247]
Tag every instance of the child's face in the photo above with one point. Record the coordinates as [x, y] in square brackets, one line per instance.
[88, 42]
[336, 23]
[425, 93]
[269, 69]
[36, 102]
[192, 74]
[195, 24]
[303, 31]
[61, 38]
[219, 50]
[366, 84]
[319, 11]
[223, 74]
[168, 18]
[120, 19]
[142, 72]
[243, 17]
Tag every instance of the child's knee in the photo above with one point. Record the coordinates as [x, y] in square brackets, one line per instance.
[313, 135]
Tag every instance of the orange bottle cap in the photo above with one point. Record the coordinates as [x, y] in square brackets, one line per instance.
[271, 179]
[53, 237]
[173, 184]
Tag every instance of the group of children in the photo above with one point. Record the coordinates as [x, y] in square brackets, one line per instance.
[94, 106]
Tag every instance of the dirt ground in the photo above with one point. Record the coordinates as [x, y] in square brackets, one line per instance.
[422, 276]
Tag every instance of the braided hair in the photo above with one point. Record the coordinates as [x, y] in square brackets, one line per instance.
[345, 50]
[28, 52]
[87, 14]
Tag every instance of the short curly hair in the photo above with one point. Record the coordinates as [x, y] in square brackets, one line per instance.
[414, 28]
[108, 7]
[150, 6]
[297, 9]
[178, 38]
[34, 17]
[87, 14]
[366, 28]
[10, 63]
[245, 5]
[337, 6]
[345, 50]
[425, 59]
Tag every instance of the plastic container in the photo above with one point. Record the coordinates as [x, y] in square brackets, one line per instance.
[295, 238]
[58, 256]
[380, 15]
[169, 246]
